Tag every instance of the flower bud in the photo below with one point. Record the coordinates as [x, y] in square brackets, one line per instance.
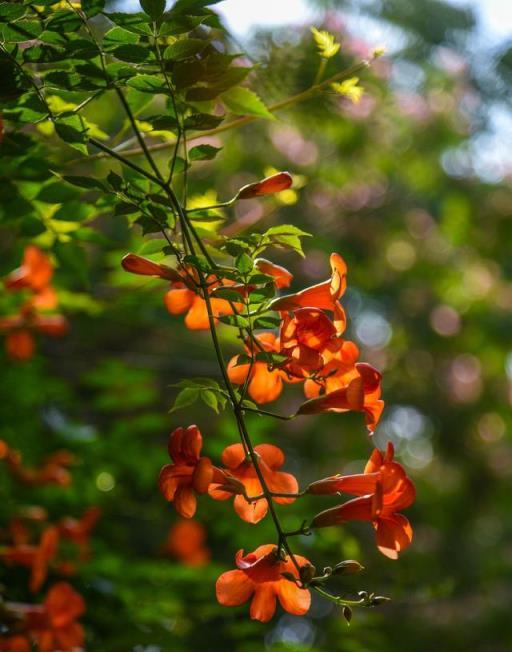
[348, 567]
[145, 267]
[307, 573]
[269, 185]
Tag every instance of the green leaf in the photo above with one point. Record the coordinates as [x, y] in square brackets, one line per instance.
[147, 84]
[203, 153]
[73, 131]
[184, 48]
[84, 182]
[210, 399]
[56, 193]
[119, 36]
[285, 236]
[153, 8]
[235, 320]
[187, 396]
[243, 101]
[152, 247]
[244, 263]
[163, 122]
[202, 121]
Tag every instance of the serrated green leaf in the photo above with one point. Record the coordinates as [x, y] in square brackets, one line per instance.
[243, 101]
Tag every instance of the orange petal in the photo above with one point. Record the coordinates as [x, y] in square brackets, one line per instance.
[338, 276]
[283, 483]
[282, 277]
[233, 456]
[185, 501]
[196, 318]
[237, 372]
[271, 455]
[293, 599]
[233, 588]
[19, 345]
[251, 512]
[394, 534]
[357, 509]
[263, 605]
[203, 475]
[265, 385]
[178, 300]
[168, 482]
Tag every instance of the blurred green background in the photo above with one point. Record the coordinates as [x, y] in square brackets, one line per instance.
[400, 185]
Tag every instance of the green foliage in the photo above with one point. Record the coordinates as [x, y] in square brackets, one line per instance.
[374, 185]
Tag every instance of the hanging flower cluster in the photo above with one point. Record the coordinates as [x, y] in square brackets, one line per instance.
[36, 314]
[307, 346]
[32, 542]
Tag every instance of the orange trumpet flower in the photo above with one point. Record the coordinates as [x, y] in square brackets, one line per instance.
[35, 273]
[265, 384]
[260, 575]
[362, 394]
[325, 295]
[383, 490]
[56, 629]
[271, 458]
[189, 473]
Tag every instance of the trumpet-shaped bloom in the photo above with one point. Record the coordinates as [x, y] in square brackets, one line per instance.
[305, 336]
[361, 394]
[36, 557]
[19, 329]
[383, 490]
[35, 273]
[265, 383]
[181, 299]
[189, 474]
[282, 277]
[186, 541]
[325, 295]
[59, 631]
[260, 575]
[271, 459]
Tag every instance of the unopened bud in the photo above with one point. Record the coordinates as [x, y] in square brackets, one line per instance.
[347, 614]
[275, 183]
[348, 567]
[307, 573]
[378, 52]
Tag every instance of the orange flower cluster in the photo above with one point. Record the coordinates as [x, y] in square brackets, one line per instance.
[190, 474]
[37, 557]
[53, 469]
[34, 276]
[315, 352]
[308, 347]
[52, 626]
[310, 341]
